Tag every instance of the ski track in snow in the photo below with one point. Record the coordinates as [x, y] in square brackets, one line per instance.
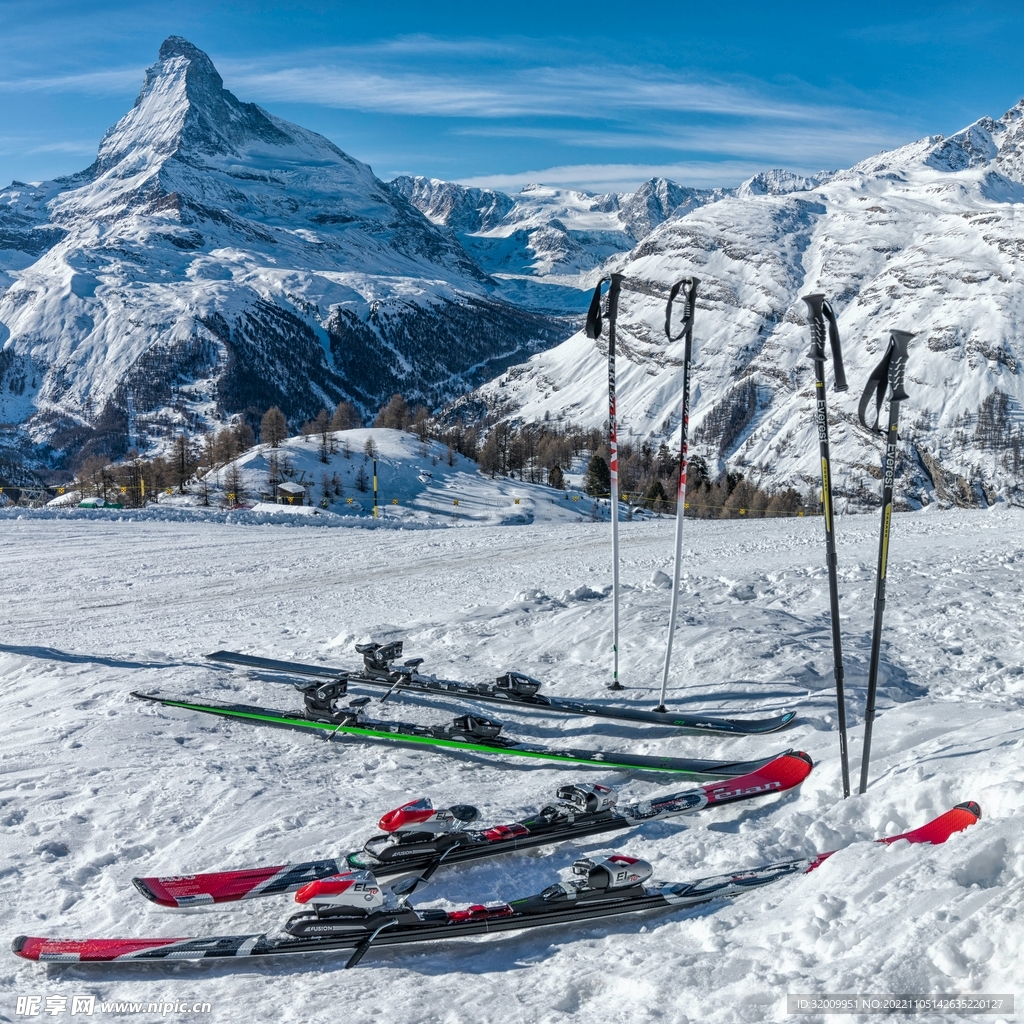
[96, 788]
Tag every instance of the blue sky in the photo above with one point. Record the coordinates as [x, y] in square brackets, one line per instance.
[592, 95]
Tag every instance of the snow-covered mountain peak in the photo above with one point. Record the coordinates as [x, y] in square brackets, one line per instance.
[216, 258]
[780, 182]
[547, 244]
[184, 111]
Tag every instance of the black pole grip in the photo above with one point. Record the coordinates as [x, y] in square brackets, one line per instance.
[612, 309]
[814, 311]
[689, 301]
[898, 364]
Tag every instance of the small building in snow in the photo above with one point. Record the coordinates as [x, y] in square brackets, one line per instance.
[291, 494]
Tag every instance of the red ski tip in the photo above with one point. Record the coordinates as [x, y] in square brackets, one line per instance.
[941, 828]
[219, 887]
[784, 772]
[935, 832]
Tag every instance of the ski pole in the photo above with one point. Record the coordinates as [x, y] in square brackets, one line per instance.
[689, 286]
[819, 308]
[593, 330]
[887, 376]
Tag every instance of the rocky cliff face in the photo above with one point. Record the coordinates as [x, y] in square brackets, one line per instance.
[216, 258]
[927, 238]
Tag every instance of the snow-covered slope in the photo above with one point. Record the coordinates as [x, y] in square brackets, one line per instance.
[419, 483]
[215, 258]
[926, 238]
[97, 788]
[546, 244]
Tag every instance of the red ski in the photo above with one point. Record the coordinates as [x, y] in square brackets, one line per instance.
[417, 838]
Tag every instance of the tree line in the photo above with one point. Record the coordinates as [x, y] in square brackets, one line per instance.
[542, 452]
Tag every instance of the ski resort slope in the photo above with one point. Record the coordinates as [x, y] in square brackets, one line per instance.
[97, 788]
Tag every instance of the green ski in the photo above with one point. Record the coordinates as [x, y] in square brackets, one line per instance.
[468, 733]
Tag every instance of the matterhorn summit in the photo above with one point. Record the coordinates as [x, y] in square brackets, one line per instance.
[216, 259]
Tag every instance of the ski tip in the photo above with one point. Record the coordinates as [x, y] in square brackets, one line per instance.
[939, 829]
[143, 887]
[971, 807]
[784, 772]
[18, 944]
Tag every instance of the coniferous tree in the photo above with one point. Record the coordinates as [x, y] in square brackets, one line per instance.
[322, 426]
[183, 461]
[599, 478]
[234, 485]
[244, 437]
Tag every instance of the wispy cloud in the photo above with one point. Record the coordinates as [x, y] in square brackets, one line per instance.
[64, 147]
[623, 177]
[709, 124]
[94, 83]
[800, 147]
[547, 91]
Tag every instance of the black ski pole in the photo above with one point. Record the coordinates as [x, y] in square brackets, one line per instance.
[593, 330]
[887, 376]
[819, 309]
[689, 286]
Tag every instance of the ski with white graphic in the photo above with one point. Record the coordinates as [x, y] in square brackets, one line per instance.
[417, 837]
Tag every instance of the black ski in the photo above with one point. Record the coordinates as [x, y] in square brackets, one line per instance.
[467, 734]
[512, 689]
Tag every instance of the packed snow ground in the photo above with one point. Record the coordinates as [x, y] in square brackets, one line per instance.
[96, 788]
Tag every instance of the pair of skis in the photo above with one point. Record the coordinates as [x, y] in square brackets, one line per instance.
[513, 689]
[887, 376]
[688, 286]
[352, 910]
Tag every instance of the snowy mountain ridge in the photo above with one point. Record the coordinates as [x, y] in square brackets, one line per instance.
[926, 238]
[216, 258]
[547, 244]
